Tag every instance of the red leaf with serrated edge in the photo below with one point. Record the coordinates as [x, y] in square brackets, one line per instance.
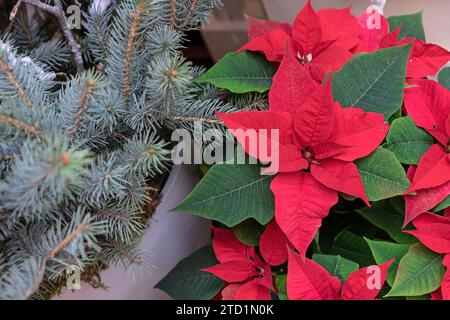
[300, 205]
[257, 27]
[240, 263]
[314, 120]
[436, 294]
[228, 248]
[447, 125]
[291, 85]
[391, 39]
[424, 200]
[252, 291]
[229, 292]
[339, 25]
[272, 44]
[341, 176]
[433, 169]
[429, 218]
[428, 104]
[306, 31]
[445, 286]
[365, 283]
[446, 260]
[328, 150]
[426, 59]
[273, 244]
[356, 133]
[233, 271]
[330, 60]
[260, 141]
[411, 172]
[447, 213]
[289, 160]
[265, 276]
[435, 236]
[308, 280]
[374, 27]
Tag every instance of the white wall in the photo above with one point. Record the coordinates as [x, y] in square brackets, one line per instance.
[436, 13]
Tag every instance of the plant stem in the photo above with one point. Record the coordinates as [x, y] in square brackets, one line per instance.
[58, 11]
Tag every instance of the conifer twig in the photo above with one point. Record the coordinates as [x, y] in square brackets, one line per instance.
[66, 241]
[20, 125]
[87, 90]
[131, 257]
[58, 11]
[189, 14]
[255, 104]
[10, 76]
[193, 119]
[173, 13]
[137, 17]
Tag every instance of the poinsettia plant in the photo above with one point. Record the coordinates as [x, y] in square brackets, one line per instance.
[357, 205]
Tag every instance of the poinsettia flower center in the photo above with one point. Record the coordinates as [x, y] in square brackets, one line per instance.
[448, 146]
[308, 154]
[304, 59]
[260, 270]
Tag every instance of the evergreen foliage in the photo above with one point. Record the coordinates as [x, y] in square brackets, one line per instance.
[77, 147]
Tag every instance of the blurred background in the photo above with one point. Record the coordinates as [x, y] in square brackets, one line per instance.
[226, 30]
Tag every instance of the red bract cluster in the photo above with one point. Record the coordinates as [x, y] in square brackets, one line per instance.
[428, 104]
[308, 280]
[318, 141]
[322, 40]
[325, 40]
[317, 146]
[248, 276]
[434, 232]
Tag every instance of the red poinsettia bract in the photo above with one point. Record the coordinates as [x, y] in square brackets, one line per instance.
[248, 277]
[317, 145]
[374, 27]
[425, 59]
[321, 40]
[433, 231]
[308, 280]
[428, 104]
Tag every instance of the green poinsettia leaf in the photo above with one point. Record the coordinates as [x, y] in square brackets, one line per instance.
[280, 286]
[374, 81]
[382, 175]
[420, 271]
[383, 251]
[336, 265]
[240, 73]
[383, 215]
[231, 194]
[411, 25]
[444, 77]
[187, 282]
[396, 115]
[424, 297]
[398, 203]
[249, 232]
[407, 141]
[443, 205]
[352, 247]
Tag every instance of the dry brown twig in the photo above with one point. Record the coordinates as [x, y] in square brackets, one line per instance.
[57, 11]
